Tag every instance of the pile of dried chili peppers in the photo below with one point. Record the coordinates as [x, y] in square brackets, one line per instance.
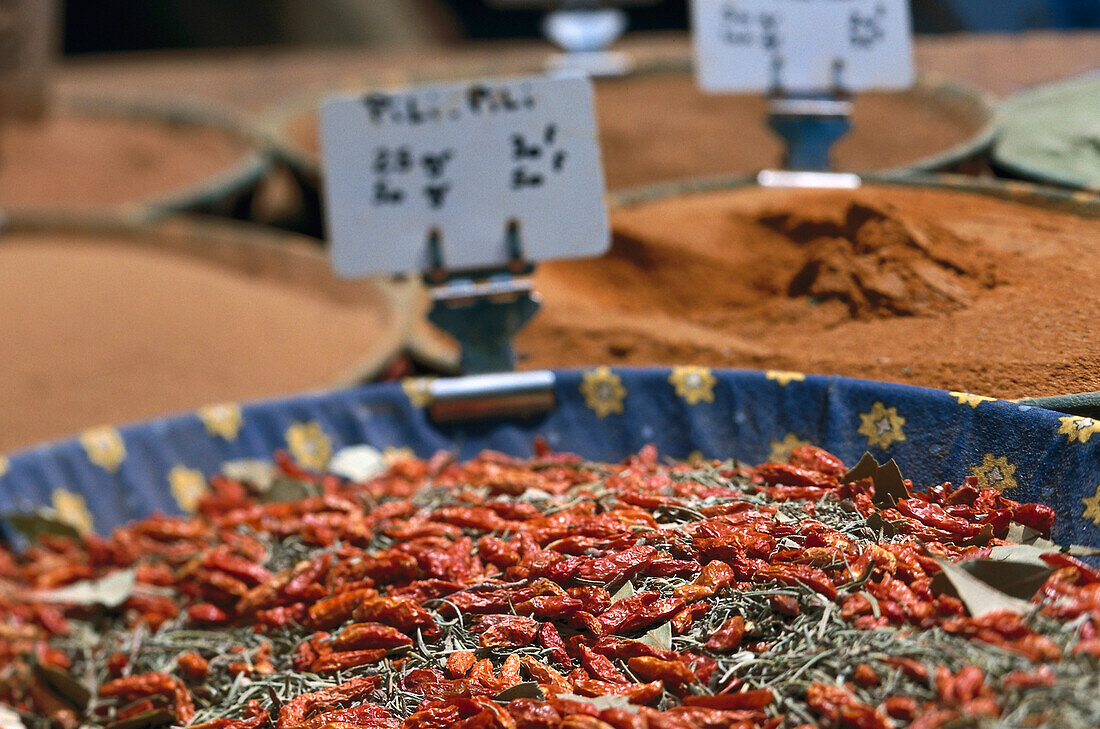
[555, 593]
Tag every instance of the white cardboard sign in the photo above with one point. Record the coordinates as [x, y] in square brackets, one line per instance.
[802, 45]
[463, 161]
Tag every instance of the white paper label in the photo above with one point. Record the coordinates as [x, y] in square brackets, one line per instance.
[463, 160]
[802, 45]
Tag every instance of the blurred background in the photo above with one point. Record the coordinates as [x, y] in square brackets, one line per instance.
[96, 26]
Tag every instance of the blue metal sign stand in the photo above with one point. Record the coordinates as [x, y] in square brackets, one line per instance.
[809, 123]
[483, 309]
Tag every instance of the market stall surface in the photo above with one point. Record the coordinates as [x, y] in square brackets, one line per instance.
[101, 331]
[82, 161]
[923, 286]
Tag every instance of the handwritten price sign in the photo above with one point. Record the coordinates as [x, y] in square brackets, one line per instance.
[802, 45]
[463, 161]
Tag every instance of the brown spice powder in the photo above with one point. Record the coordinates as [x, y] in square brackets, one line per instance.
[98, 331]
[960, 291]
[75, 162]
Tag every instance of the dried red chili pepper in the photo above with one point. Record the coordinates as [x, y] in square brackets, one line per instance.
[347, 659]
[298, 709]
[152, 684]
[754, 699]
[255, 722]
[512, 632]
[600, 667]
[531, 714]
[333, 611]
[207, 614]
[817, 459]
[193, 666]
[550, 639]
[636, 693]
[624, 610]
[728, 636]
[672, 673]
[360, 636]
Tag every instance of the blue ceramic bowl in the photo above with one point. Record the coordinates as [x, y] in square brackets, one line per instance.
[107, 476]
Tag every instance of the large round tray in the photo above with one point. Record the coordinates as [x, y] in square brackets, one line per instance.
[112, 475]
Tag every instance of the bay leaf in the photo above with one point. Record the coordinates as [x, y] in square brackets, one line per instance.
[253, 472]
[10, 719]
[525, 690]
[1018, 578]
[660, 637]
[109, 591]
[889, 483]
[978, 597]
[145, 720]
[64, 684]
[603, 702]
[285, 489]
[625, 591]
[36, 524]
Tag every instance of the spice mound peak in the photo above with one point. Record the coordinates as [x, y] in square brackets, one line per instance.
[882, 263]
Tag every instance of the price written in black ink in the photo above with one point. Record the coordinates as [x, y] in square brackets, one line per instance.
[865, 30]
[743, 28]
[536, 158]
[418, 108]
[399, 170]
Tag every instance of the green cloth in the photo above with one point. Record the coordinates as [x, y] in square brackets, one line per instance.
[1052, 133]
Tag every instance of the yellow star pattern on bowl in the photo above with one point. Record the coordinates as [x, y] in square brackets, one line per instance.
[965, 398]
[104, 447]
[72, 509]
[309, 445]
[392, 455]
[188, 486]
[882, 426]
[1078, 429]
[996, 472]
[694, 384]
[603, 391]
[418, 390]
[785, 378]
[5, 464]
[781, 449]
[223, 420]
[1092, 507]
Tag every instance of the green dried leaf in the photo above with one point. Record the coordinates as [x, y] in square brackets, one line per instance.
[64, 684]
[32, 526]
[660, 637]
[286, 489]
[253, 472]
[866, 468]
[525, 690]
[110, 591]
[603, 702]
[625, 591]
[1018, 578]
[889, 484]
[978, 597]
[145, 720]
[877, 522]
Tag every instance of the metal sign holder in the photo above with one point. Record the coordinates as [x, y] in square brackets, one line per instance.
[809, 123]
[484, 308]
